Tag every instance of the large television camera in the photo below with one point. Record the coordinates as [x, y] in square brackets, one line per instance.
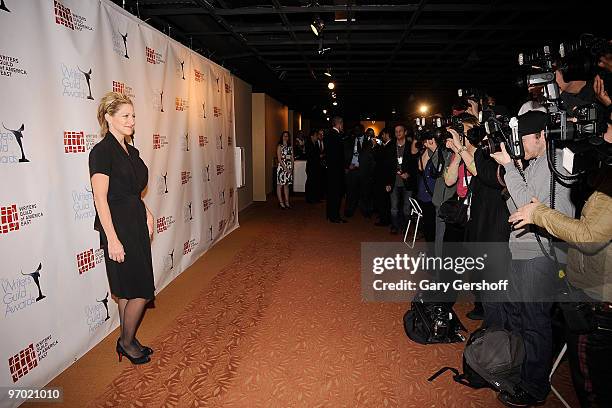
[577, 131]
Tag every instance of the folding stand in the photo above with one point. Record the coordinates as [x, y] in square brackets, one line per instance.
[552, 372]
[416, 209]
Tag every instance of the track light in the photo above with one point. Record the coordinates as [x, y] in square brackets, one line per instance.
[325, 111]
[335, 103]
[328, 73]
[317, 26]
[333, 95]
[331, 85]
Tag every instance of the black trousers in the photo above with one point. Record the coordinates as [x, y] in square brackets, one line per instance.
[382, 202]
[590, 357]
[334, 196]
[313, 191]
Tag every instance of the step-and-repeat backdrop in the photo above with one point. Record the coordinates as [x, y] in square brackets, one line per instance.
[57, 59]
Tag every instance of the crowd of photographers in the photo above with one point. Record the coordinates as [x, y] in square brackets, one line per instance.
[532, 180]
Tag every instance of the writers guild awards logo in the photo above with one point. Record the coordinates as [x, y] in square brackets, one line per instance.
[198, 76]
[13, 218]
[202, 140]
[182, 69]
[88, 79]
[186, 142]
[220, 169]
[222, 225]
[210, 233]
[105, 303]
[228, 88]
[82, 204]
[124, 37]
[159, 141]
[64, 16]
[89, 259]
[206, 173]
[222, 197]
[162, 184]
[188, 212]
[189, 245]
[220, 142]
[97, 313]
[164, 223]
[36, 277]
[27, 359]
[169, 261]
[185, 177]
[18, 134]
[207, 204]
[233, 217]
[203, 110]
[218, 89]
[122, 88]
[19, 293]
[181, 104]
[154, 57]
[3, 7]
[158, 100]
[217, 111]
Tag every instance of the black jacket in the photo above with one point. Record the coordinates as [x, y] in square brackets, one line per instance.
[334, 153]
[409, 165]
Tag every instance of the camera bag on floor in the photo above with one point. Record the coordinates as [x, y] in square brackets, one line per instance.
[432, 322]
[492, 358]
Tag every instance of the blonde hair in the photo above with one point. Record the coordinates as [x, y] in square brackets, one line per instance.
[110, 103]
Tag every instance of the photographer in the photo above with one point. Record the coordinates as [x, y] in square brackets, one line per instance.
[426, 180]
[441, 192]
[459, 171]
[589, 269]
[531, 272]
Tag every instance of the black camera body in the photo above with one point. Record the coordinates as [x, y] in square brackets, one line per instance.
[582, 125]
[502, 129]
[473, 94]
[579, 59]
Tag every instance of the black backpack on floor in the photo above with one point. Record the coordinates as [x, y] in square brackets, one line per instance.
[432, 322]
[492, 358]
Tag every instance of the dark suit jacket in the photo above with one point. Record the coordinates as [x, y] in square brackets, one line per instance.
[313, 158]
[386, 163]
[409, 165]
[334, 154]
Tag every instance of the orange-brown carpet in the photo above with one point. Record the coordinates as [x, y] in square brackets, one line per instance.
[279, 322]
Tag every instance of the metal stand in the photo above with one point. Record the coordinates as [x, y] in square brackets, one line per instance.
[552, 372]
[415, 209]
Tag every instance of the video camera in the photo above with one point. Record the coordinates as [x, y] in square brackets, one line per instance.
[578, 130]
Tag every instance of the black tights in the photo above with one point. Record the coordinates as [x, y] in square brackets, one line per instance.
[130, 314]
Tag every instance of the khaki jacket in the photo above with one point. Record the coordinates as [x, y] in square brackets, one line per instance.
[589, 264]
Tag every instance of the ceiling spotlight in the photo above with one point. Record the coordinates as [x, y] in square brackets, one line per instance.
[393, 111]
[325, 111]
[317, 26]
[368, 118]
[331, 85]
[423, 109]
[335, 103]
[327, 118]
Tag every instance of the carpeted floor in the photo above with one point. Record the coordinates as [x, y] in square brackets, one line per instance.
[280, 323]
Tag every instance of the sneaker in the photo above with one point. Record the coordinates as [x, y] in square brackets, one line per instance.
[520, 399]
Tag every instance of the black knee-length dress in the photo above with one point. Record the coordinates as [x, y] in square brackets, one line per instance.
[128, 176]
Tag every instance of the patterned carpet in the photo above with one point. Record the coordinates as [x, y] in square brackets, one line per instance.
[284, 325]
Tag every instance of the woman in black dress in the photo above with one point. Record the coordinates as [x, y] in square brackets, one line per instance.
[118, 177]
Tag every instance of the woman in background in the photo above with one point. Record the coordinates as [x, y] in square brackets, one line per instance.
[284, 172]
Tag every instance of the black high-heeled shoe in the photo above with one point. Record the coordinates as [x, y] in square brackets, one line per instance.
[147, 351]
[134, 360]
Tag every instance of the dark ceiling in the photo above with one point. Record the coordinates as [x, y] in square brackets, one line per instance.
[394, 55]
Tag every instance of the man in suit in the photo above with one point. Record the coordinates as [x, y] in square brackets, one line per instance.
[384, 176]
[405, 180]
[335, 169]
[353, 153]
[313, 168]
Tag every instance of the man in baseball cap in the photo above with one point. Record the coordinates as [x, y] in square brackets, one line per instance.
[528, 309]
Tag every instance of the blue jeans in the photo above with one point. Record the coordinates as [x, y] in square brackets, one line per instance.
[397, 218]
[532, 320]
